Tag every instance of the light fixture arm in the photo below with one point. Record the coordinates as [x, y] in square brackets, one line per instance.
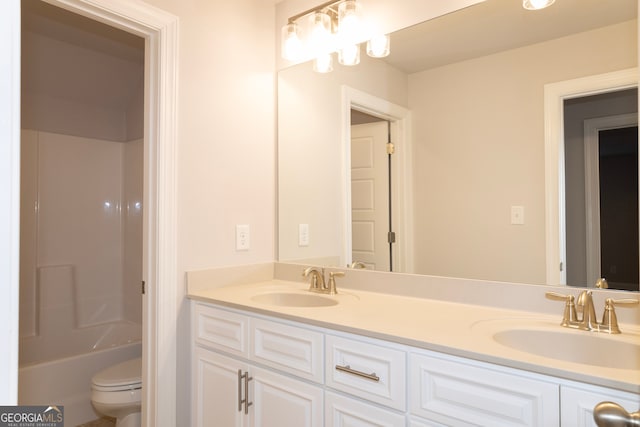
[321, 7]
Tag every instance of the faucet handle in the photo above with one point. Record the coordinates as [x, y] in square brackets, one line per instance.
[609, 319]
[332, 281]
[569, 314]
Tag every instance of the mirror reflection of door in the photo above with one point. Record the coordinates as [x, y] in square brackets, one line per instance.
[370, 195]
[618, 178]
[601, 167]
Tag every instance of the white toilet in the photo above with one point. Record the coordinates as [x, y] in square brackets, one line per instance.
[117, 392]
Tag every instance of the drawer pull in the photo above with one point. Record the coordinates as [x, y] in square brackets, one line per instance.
[372, 376]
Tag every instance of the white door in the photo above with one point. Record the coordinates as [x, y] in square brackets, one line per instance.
[370, 195]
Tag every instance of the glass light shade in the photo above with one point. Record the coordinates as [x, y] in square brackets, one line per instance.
[379, 46]
[349, 21]
[291, 47]
[349, 55]
[323, 63]
[320, 40]
[536, 4]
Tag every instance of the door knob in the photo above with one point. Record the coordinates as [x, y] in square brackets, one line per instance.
[609, 414]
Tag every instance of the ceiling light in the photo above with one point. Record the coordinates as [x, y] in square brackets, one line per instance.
[536, 4]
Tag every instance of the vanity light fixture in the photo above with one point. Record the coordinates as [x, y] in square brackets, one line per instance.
[536, 4]
[334, 26]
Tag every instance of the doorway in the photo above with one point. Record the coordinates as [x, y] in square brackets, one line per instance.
[81, 203]
[160, 31]
[372, 234]
[601, 174]
[399, 181]
[555, 95]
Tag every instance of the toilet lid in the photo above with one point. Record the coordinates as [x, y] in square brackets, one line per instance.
[126, 374]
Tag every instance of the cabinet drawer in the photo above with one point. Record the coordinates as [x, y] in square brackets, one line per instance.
[342, 411]
[370, 371]
[461, 394]
[221, 330]
[291, 349]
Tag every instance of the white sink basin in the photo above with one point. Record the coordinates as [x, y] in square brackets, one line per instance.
[294, 299]
[589, 348]
[550, 340]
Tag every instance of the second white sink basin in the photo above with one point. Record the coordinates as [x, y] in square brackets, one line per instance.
[550, 340]
[589, 348]
[294, 299]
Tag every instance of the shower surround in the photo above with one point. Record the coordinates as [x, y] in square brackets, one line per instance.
[81, 255]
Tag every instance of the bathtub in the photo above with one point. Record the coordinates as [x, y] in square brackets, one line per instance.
[58, 370]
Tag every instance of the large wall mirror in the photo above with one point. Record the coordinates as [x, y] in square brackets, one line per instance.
[462, 97]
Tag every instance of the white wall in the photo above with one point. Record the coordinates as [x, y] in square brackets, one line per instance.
[470, 170]
[226, 143]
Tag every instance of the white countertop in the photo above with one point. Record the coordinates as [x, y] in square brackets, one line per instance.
[458, 329]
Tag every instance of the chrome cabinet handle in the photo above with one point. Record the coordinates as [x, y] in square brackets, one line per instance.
[609, 414]
[247, 378]
[243, 379]
[372, 376]
[240, 390]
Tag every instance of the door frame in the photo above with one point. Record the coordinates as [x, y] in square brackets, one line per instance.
[555, 214]
[402, 186]
[592, 128]
[159, 315]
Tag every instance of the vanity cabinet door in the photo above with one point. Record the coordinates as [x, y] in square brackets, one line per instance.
[457, 392]
[215, 391]
[281, 401]
[577, 403]
[341, 411]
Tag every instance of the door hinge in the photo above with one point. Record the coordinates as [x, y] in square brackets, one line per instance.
[391, 148]
[391, 237]
[561, 266]
[143, 288]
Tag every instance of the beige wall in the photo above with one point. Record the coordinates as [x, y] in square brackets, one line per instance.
[479, 149]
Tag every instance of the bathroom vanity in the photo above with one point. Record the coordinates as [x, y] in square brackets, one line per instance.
[269, 352]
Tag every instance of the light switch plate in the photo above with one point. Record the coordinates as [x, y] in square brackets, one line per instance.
[517, 215]
[303, 234]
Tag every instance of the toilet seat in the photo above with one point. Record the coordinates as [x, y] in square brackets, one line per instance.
[121, 377]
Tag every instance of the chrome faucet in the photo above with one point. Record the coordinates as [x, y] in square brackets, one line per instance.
[318, 284]
[584, 305]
